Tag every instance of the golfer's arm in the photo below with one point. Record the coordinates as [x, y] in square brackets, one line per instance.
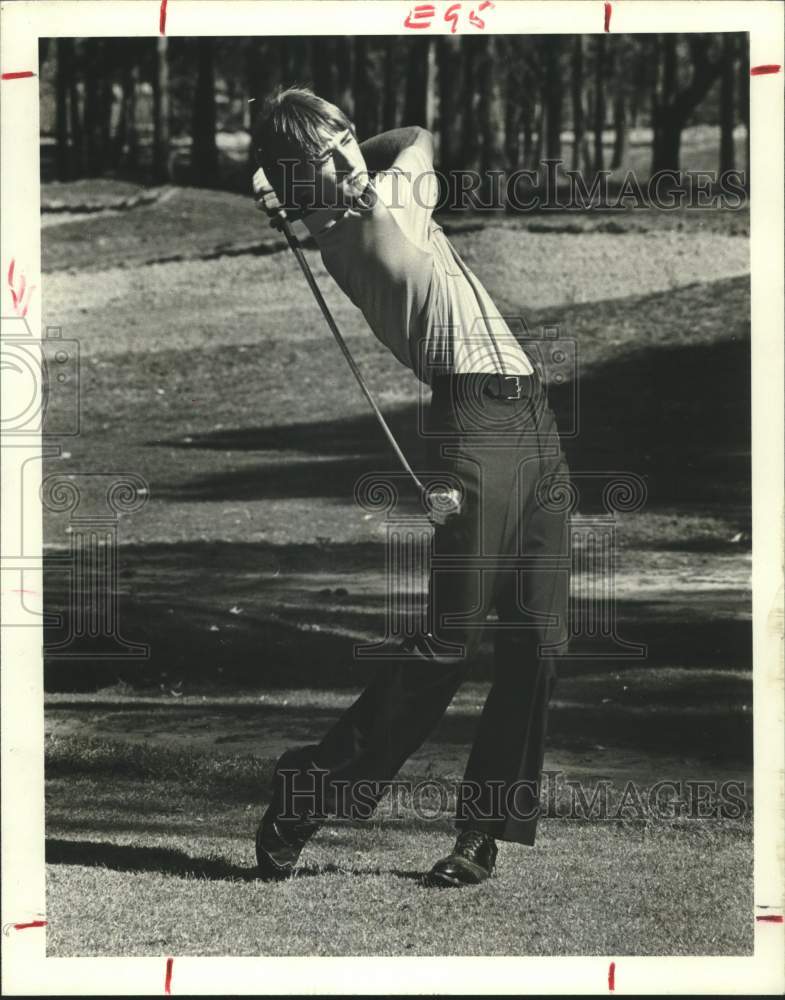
[381, 150]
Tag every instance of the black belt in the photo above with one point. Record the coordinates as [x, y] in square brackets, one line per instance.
[496, 385]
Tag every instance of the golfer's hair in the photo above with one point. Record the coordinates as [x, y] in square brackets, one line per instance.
[288, 129]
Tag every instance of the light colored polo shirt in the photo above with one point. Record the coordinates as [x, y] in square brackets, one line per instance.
[420, 299]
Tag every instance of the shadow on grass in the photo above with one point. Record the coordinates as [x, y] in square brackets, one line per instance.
[143, 859]
[294, 631]
[678, 415]
[167, 861]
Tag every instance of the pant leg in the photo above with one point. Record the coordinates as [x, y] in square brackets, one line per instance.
[407, 698]
[374, 737]
[500, 794]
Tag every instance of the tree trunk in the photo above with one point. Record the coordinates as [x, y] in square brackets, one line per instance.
[417, 82]
[448, 50]
[106, 103]
[744, 101]
[344, 59]
[296, 62]
[324, 69]
[526, 132]
[492, 115]
[576, 91]
[65, 69]
[204, 152]
[133, 135]
[364, 90]
[120, 137]
[727, 105]
[671, 106]
[667, 142]
[663, 118]
[77, 166]
[93, 106]
[512, 112]
[620, 129]
[599, 101]
[390, 99]
[619, 44]
[470, 132]
[553, 96]
[161, 112]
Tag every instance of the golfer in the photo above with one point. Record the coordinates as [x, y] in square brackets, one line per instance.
[490, 429]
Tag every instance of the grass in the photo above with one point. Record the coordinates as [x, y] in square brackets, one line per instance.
[160, 860]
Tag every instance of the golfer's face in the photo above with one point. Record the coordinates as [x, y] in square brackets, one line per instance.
[339, 169]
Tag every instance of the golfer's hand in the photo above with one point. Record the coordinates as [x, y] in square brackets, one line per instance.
[443, 504]
[266, 198]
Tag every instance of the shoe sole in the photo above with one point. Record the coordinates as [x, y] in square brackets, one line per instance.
[439, 880]
[269, 869]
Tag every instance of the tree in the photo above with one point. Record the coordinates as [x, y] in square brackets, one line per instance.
[553, 96]
[470, 132]
[512, 102]
[296, 61]
[390, 102]
[93, 106]
[65, 69]
[204, 151]
[727, 102]
[345, 63]
[671, 104]
[161, 112]
[77, 164]
[417, 82]
[600, 70]
[448, 51]
[619, 101]
[492, 115]
[531, 72]
[744, 100]
[365, 95]
[579, 145]
[324, 69]
[640, 70]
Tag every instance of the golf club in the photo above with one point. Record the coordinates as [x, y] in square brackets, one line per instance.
[279, 220]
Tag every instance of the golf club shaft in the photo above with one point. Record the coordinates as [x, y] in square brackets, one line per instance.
[297, 250]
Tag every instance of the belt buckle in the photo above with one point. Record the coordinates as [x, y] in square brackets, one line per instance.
[510, 394]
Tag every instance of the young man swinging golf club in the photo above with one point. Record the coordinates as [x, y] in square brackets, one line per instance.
[369, 208]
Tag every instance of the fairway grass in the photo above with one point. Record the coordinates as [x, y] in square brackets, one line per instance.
[146, 865]
[206, 370]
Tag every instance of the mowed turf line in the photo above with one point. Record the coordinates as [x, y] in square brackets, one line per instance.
[147, 865]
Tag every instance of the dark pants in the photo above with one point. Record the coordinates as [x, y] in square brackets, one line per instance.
[507, 550]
